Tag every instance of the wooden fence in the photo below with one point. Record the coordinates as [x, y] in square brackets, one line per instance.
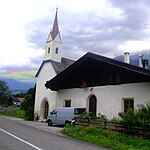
[119, 127]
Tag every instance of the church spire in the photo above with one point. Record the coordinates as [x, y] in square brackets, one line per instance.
[55, 29]
[54, 43]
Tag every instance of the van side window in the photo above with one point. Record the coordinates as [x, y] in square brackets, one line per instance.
[67, 103]
[54, 111]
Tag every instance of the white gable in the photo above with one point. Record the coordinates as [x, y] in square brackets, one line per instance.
[47, 72]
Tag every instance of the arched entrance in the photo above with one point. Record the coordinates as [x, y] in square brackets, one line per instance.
[44, 109]
[92, 104]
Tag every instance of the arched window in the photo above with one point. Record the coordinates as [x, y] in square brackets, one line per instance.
[56, 50]
[48, 50]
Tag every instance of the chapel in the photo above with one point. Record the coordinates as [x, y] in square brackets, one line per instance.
[100, 84]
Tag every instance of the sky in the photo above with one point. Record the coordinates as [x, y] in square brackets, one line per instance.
[105, 27]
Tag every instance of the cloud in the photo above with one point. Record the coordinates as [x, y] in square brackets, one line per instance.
[106, 27]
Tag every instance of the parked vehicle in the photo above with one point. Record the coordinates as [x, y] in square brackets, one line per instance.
[63, 116]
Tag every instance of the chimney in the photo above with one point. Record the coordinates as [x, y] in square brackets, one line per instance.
[141, 60]
[145, 63]
[126, 57]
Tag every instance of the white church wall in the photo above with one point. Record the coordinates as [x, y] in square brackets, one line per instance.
[109, 98]
[47, 72]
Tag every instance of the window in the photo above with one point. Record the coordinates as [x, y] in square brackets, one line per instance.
[78, 111]
[128, 103]
[48, 50]
[54, 112]
[56, 50]
[67, 103]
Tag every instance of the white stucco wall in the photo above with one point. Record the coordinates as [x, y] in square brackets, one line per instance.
[47, 72]
[109, 98]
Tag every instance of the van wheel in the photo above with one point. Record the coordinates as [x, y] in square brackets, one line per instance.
[67, 123]
[49, 123]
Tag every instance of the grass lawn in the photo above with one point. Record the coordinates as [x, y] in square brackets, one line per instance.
[13, 112]
[105, 138]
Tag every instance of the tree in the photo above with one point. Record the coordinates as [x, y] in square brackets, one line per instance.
[28, 104]
[5, 94]
[22, 94]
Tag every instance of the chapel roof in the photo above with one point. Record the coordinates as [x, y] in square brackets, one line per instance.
[58, 66]
[97, 70]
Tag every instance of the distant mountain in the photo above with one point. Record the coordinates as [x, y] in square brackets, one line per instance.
[134, 58]
[15, 85]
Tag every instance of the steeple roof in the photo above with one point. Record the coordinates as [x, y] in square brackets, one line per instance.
[55, 29]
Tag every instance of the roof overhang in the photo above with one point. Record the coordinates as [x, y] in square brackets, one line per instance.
[95, 70]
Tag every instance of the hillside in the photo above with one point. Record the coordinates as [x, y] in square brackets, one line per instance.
[15, 85]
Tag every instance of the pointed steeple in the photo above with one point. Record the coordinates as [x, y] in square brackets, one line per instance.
[53, 43]
[55, 29]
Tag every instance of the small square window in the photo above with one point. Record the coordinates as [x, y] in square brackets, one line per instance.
[128, 103]
[67, 103]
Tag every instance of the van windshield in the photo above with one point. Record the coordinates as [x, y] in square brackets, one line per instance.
[78, 111]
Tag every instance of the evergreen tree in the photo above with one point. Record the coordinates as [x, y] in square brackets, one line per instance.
[5, 94]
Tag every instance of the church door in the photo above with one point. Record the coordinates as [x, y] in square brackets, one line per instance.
[92, 104]
[46, 108]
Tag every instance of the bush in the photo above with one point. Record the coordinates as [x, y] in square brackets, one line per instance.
[101, 118]
[143, 115]
[139, 118]
[86, 115]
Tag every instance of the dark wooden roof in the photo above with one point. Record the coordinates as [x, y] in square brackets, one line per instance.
[96, 70]
[58, 66]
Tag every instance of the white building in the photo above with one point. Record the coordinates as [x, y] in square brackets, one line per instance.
[100, 84]
[53, 64]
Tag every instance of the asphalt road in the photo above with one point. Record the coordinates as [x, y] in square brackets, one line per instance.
[23, 135]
